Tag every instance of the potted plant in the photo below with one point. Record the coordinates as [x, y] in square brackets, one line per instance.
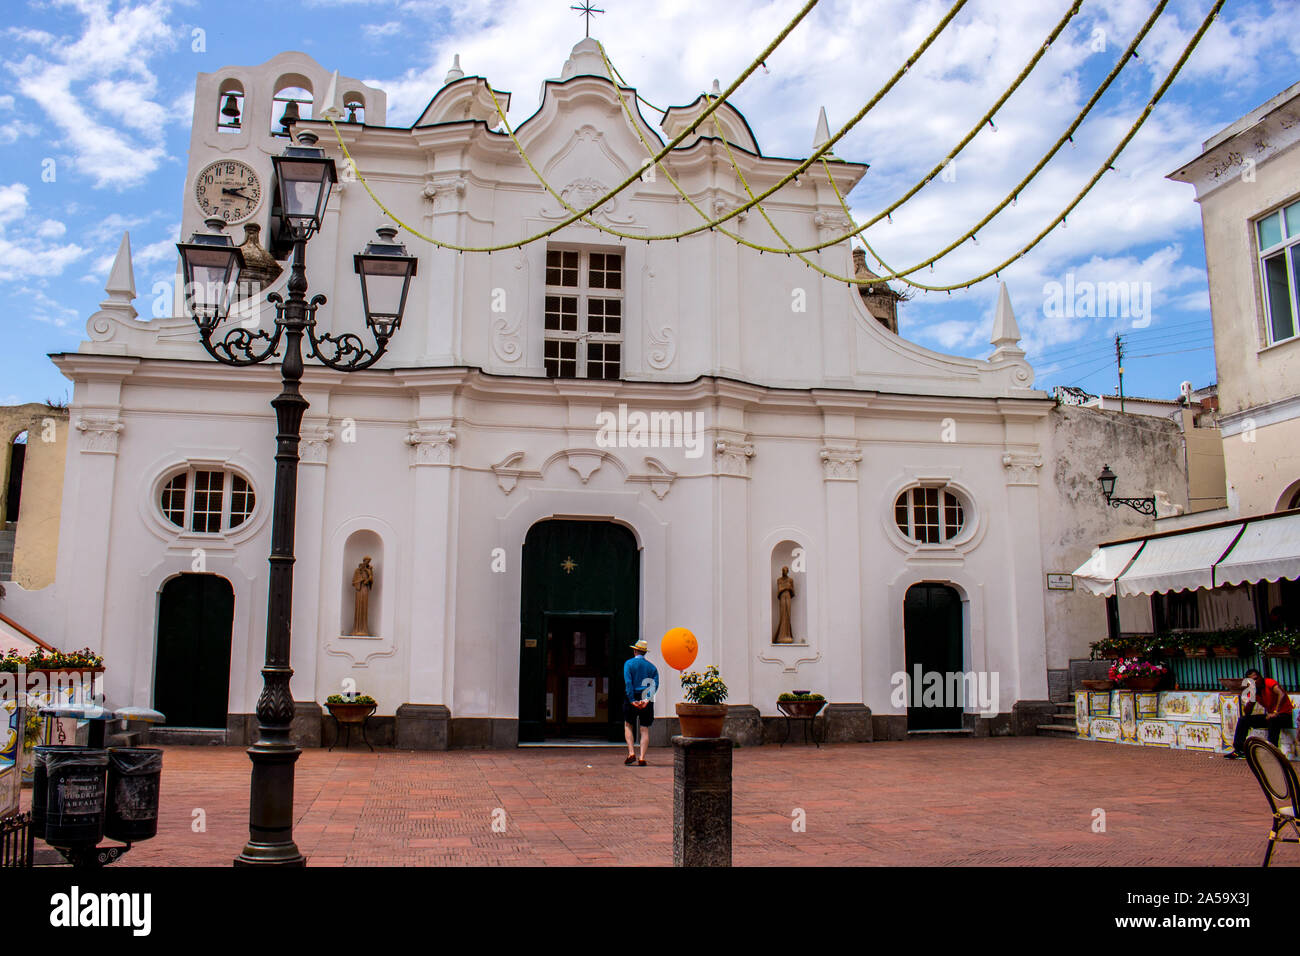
[351, 708]
[1138, 674]
[801, 703]
[1170, 644]
[1282, 642]
[704, 710]
[66, 661]
[1106, 648]
[1229, 643]
[1197, 643]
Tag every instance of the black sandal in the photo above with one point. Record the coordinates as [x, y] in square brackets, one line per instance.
[631, 759]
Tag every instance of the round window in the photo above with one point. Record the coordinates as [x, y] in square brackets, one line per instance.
[929, 515]
[207, 501]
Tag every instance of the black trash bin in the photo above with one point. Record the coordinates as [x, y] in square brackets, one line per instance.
[133, 774]
[40, 788]
[75, 779]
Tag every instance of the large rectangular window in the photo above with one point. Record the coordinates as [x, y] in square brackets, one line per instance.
[583, 314]
[1279, 252]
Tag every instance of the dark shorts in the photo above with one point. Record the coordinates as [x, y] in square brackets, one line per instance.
[644, 714]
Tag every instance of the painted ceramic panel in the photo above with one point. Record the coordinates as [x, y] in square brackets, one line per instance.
[1099, 703]
[1228, 714]
[1176, 705]
[1198, 736]
[1105, 728]
[1148, 704]
[1081, 714]
[1157, 733]
[1127, 716]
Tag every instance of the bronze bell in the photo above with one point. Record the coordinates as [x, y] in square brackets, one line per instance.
[231, 109]
[352, 111]
[290, 115]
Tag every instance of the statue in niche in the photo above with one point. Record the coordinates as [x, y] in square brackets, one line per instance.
[784, 595]
[363, 579]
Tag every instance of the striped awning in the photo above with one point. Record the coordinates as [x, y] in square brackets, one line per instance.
[1264, 548]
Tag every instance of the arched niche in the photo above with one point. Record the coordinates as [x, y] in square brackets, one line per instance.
[291, 90]
[354, 108]
[230, 106]
[789, 554]
[361, 544]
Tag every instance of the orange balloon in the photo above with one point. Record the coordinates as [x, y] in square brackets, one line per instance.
[679, 648]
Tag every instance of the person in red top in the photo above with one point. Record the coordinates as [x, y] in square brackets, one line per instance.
[1277, 713]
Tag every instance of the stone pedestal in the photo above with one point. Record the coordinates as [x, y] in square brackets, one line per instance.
[422, 727]
[848, 724]
[701, 801]
[743, 725]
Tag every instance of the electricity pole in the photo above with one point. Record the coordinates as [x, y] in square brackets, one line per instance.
[1119, 363]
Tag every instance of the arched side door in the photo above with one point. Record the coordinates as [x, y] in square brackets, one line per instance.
[932, 628]
[191, 687]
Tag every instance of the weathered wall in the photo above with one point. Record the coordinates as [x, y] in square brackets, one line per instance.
[1250, 372]
[1206, 481]
[1263, 466]
[1147, 454]
[37, 538]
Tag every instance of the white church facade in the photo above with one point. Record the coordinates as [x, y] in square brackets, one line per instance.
[520, 543]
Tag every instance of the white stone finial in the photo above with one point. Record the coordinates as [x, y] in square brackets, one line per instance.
[1006, 331]
[121, 281]
[455, 73]
[823, 132]
[332, 110]
[717, 89]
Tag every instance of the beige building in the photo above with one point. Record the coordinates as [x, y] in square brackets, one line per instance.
[1247, 182]
[35, 439]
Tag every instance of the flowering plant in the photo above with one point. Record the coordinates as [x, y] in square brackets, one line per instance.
[349, 699]
[706, 688]
[41, 659]
[1135, 667]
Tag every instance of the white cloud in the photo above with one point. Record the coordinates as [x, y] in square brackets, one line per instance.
[29, 254]
[98, 90]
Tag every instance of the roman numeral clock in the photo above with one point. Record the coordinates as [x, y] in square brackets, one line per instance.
[228, 190]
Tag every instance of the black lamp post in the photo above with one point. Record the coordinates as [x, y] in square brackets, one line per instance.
[1146, 506]
[304, 176]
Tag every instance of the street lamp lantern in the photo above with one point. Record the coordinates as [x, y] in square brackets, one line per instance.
[304, 177]
[210, 264]
[1146, 506]
[386, 269]
[1107, 479]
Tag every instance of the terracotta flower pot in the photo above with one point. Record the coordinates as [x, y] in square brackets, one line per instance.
[1097, 684]
[701, 720]
[1142, 683]
[1232, 684]
[1226, 652]
[1197, 651]
[1171, 652]
[800, 708]
[351, 713]
[1278, 651]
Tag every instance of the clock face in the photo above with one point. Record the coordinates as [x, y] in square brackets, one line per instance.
[228, 190]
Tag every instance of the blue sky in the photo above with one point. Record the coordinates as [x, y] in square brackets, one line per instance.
[102, 93]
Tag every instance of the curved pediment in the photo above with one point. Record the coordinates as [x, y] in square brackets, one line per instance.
[468, 98]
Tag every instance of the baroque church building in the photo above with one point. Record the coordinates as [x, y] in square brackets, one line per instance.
[569, 446]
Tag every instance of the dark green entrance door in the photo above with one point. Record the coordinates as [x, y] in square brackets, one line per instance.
[192, 672]
[579, 610]
[932, 645]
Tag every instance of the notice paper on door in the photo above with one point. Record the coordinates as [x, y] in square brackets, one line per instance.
[582, 697]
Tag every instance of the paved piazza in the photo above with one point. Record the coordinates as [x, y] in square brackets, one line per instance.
[936, 801]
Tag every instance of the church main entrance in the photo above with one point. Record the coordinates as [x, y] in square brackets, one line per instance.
[191, 683]
[933, 655]
[578, 617]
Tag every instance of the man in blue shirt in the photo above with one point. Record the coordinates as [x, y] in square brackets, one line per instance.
[640, 682]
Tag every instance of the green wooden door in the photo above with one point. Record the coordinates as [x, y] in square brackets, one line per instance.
[192, 672]
[932, 643]
[579, 613]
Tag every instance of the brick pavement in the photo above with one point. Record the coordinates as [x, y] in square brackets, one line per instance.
[1002, 801]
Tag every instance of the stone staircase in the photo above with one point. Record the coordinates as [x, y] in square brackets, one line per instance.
[7, 532]
[1062, 724]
